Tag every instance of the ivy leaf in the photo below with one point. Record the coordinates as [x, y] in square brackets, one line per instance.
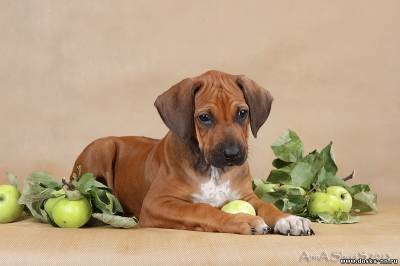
[271, 197]
[328, 159]
[279, 176]
[288, 201]
[291, 205]
[315, 160]
[115, 220]
[117, 207]
[12, 179]
[256, 183]
[100, 194]
[302, 175]
[297, 204]
[282, 204]
[38, 187]
[97, 184]
[365, 201]
[85, 183]
[359, 188]
[37, 211]
[105, 202]
[288, 147]
[339, 218]
[326, 179]
[45, 179]
[294, 191]
[35, 194]
[101, 201]
[278, 163]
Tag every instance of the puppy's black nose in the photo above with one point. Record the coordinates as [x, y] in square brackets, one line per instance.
[231, 152]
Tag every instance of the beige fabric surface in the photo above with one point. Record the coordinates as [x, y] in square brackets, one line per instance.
[74, 71]
[31, 243]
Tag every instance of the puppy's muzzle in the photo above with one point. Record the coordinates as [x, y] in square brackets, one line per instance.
[228, 153]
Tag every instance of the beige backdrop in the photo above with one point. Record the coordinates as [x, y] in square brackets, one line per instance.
[73, 71]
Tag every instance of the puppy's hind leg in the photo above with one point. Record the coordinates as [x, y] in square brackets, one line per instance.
[99, 158]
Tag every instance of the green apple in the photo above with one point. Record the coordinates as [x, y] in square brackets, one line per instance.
[239, 206]
[343, 195]
[71, 213]
[286, 188]
[50, 203]
[10, 210]
[264, 188]
[336, 199]
[323, 203]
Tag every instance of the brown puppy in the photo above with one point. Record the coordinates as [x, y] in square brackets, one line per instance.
[181, 180]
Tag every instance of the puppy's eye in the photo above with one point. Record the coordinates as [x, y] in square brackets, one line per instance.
[205, 118]
[242, 114]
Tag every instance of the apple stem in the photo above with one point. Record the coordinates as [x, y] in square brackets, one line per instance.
[349, 176]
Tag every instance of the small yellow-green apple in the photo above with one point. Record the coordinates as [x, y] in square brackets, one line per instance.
[10, 210]
[239, 206]
[343, 194]
[264, 188]
[71, 213]
[50, 203]
[336, 199]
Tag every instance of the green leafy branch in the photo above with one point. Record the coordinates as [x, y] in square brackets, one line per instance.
[313, 172]
[41, 186]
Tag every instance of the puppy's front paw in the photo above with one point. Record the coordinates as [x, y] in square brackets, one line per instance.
[246, 224]
[293, 225]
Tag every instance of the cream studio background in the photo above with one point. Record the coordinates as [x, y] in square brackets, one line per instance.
[74, 71]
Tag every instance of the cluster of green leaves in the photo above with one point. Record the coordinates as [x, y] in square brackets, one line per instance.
[100, 195]
[40, 186]
[313, 172]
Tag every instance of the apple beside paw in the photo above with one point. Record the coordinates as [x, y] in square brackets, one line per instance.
[239, 206]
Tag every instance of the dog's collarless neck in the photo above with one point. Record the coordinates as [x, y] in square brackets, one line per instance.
[190, 152]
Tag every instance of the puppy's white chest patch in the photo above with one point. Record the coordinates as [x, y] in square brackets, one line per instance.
[214, 192]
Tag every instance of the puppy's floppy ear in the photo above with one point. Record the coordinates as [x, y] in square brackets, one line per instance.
[259, 101]
[176, 108]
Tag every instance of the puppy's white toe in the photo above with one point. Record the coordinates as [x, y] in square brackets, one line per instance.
[293, 225]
